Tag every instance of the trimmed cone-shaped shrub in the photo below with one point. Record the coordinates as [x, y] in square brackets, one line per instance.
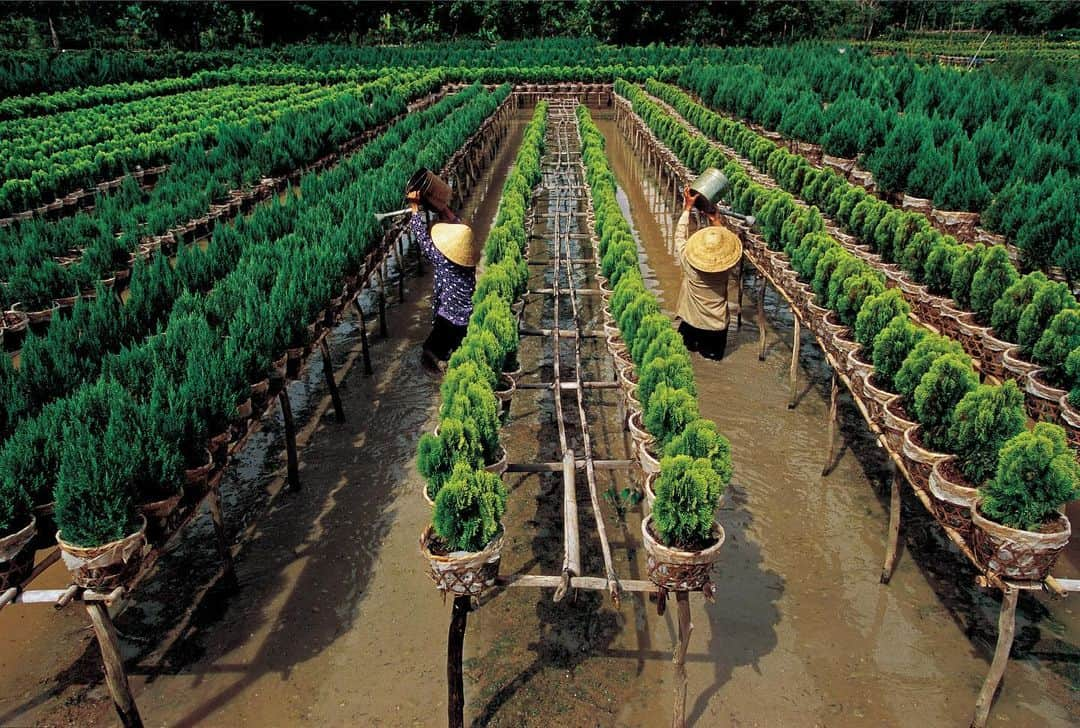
[14, 507]
[1037, 475]
[670, 411]
[854, 292]
[1054, 346]
[1072, 371]
[651, 326]
[948, 380]
[876, 313]
[990, 282]
[469, 509]
[892, 347]
[964, 271]
[941, 264]
[635, 311]
[701, 439]
[823, 272]
[848, 267]
[983, 421]
[674, 369]
[964, 189]
[477, 403]
[1048, 301]
[687, 495]
[493, 314]
[919, 361]
[1005, 317]
[480, 349]
[456, 442]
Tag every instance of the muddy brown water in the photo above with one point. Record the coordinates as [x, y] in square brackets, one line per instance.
[336, 622]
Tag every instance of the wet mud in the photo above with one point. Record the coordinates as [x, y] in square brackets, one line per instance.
[336, 623]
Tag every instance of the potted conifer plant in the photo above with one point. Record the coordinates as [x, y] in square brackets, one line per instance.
[891, 348]
[1019, 527]
[681, 536]
[463, 545]
[949, 378]
[874, 315]
[17, 530]
[982, 422]
[1070, 403]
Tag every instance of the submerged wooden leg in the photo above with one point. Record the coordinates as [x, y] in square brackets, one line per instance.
[761, 321]
[892, 549]
[115, 676]
[678, 716]
[738, 316]
[793, 374]
[213, 502]
[383, 332]
[331, 383]
[365, 353]
[834, 395]
[1006, 631]
[455, 644]
[400, 261]
[290, 440]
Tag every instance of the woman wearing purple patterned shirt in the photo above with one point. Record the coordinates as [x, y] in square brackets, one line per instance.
[454, 255]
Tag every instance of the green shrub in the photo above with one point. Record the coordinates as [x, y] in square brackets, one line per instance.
[632, 315]
[476, 403]
[493, 314]
[688, 493]
[892, 347]
[670, 410]
[941, 264]
[848, 267]
[1007, 311]
[1037, 475]
[1055, 344]
[913, 256]
[701, 439]
[855, 291]
[481, 348]
[1048, 301]
[948, 380]
[15, 507]
[907, 227]
[497, 280]
[964, 271]
[469, 509]
[990, 281]
[457, 442]
[675, 370]
[876, 313]
[1072, 373]
[650, 327]
[627, 290]
[668, 343]
[805, 257]
[983, 421]
[918, 363]
[885, 233]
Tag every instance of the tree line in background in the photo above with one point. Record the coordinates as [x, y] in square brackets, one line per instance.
[192, 25]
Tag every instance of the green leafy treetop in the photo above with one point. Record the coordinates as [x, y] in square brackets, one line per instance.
[687, 495]
[1055, 345]
[701, 439]
[1072, 371]
[674, 370]
[964, 271]
[469, 509]
[948, 380]
[1037, 475]
[891, 348]
[876, 313]
[983, 421]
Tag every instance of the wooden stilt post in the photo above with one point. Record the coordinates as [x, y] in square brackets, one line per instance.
[793, 374]
[892, 549]
[1006, 631]
[364, 351]
[834, 395]
[213, 502]
[331, 384]
[761, 320]
[290, 440]
[455, 645]
[400, 260]
[738, 316]
[678, 717]
[115, 676]
[382, 303]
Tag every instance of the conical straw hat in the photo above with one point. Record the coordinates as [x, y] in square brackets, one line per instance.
[455, 241]
[713, 249]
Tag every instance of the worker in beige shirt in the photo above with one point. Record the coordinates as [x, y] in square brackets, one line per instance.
[706, 259]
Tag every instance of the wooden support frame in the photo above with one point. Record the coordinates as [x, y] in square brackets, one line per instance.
[331, 383]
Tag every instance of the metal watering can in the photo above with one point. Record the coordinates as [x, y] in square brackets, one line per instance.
[435, 194]
[709, 187]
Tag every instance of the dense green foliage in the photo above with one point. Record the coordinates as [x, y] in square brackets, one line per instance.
[983, 421]
[469, 509]
[1037, 475]
[946, 382]
[687, 495]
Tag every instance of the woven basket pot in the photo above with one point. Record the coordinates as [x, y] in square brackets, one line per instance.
[992, 354]
[105, 567]
[1015, 366]
[858, 371]
[17, 556]
[1043, 400]
[917, 459]
[894, 425]
[605, 288]
[952, 497]
[676, 570]
[917, 204]
[637, 429]
[1016, 554]
[876, 399]
[649, 462]
[1070, 419]
[648, 483]
[161, 516]
[802, 294]
[505, 387]
[840, 341]
[817, 316]
[462, 573]
[627, 378]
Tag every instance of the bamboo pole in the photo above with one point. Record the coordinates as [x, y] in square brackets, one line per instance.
[213, 502]
[793, 374]
[331, 384]
[571, 542]
[834, 396]
[383, 332]
[761, 320]
[115, 677]
[290, 439]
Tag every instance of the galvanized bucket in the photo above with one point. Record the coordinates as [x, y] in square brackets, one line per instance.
[709, 186]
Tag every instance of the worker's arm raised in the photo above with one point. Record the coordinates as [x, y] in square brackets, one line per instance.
[682, 227]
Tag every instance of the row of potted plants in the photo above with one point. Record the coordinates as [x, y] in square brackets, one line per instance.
[1018, 327]
[1000, 486]
[147, 428]
[71, 350]
[686, 461]
[463, 461]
